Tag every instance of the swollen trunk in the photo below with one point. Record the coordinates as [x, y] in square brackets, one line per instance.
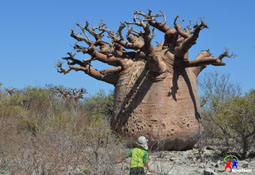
[165, 110]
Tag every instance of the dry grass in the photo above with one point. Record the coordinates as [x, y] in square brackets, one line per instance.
[46, 135]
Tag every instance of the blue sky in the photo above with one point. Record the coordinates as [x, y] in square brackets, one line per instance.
[35, 34]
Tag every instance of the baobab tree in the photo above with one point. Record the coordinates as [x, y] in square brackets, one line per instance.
[72, 94]
[10, 91]
[155, 86]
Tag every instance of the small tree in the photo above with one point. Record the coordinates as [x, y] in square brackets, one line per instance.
[215, 89]
[236, 118]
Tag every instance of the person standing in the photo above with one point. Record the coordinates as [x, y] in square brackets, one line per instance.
[139, 157]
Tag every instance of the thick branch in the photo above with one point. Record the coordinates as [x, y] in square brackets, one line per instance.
[205, 58]
[105, 58]
[122, 26]
[88, 69]
[111, 60]
[111, 70]
[189, 41]
[179, 29]
[170, 33]
[134, 43]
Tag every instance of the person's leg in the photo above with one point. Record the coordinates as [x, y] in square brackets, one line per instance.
[137, 171]
[141, 171]
[132, 171]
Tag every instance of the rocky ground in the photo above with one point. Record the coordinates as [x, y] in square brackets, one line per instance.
[189, 163]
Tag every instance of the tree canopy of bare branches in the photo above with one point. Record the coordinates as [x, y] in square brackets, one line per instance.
[137, 45]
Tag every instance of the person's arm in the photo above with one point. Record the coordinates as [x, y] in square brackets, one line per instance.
[145, 158]
[147, 166]
[129, 154]
[119, 161]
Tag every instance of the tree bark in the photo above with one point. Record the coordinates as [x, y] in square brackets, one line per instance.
[164, 108]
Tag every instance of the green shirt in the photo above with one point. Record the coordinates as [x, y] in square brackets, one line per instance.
[139, 157]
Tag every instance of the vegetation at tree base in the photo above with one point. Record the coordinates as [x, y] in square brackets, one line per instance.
[227, 114]
[43, 133]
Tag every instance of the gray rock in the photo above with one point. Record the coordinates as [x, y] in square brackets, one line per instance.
[202, 165]
[245, 164]
[209, 171]
[209, 147]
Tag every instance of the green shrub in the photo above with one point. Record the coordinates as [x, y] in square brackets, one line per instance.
[27, 125]
[99, 103]
[42, 133]
[236, 119]
[17, 99]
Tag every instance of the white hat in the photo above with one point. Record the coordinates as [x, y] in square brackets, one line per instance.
[142, 141]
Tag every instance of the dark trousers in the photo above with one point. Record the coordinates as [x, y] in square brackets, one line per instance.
[137, 171]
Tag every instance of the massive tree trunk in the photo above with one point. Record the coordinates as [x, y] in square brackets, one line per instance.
[155, 87]
[166, 110]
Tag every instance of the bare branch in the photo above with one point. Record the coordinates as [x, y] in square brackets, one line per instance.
[115, 69]
[92, 31]
[224, 54]
[181, 50]
[161, 25]
[88, 69]
[133, 32]
[135, 22]
[187, 28]
[61, 69]
[80, 38]
[142, 23]
[71, 60]
[205, 58]
[122, 26]
[170, 33]
[178, 27]
[149, 17]
[98, 36]
[79, 48]
[136, 44]
[147, 48]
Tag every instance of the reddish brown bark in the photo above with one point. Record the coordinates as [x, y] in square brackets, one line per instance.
[155, 87]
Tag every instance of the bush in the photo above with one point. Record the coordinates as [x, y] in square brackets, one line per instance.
[236, 119]
[99, 104]
[39, 134]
